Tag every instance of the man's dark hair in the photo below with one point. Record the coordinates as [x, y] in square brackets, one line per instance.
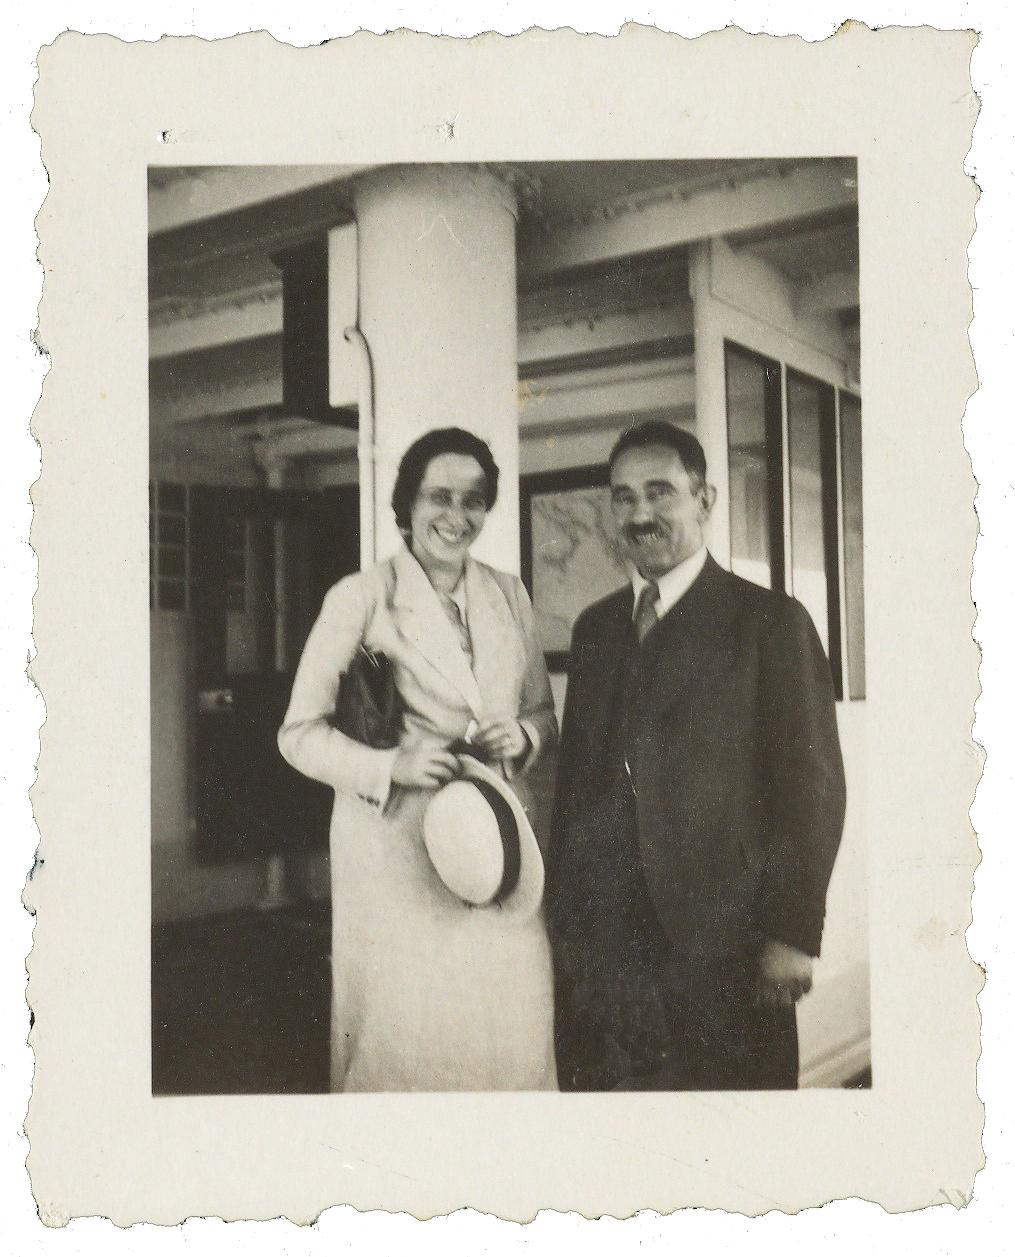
[659, 432]
[422, 452]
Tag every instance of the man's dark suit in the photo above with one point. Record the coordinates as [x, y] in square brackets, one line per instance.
[699, 808]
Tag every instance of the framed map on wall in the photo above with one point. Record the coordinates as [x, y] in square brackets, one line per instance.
[569, 550]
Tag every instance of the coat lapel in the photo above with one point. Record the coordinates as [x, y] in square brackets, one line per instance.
[691, 639]
[596, 665]
[424, 624]
[496, 642]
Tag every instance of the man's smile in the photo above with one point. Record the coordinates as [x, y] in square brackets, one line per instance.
[646, 535]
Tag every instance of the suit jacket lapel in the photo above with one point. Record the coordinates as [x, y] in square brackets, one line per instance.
[693, 631]
[599, 664]
[423, 622]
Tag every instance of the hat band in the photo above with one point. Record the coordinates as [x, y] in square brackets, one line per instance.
[508, 827]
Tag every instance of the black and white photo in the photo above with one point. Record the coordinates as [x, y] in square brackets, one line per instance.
[503, 619]
[359, 375]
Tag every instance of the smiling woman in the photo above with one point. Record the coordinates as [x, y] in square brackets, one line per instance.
[429, 993]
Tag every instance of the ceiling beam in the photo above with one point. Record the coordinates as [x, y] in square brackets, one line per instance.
[633, 327]
[185, 199]
[829, 294]
[180, 326]
[676, 221]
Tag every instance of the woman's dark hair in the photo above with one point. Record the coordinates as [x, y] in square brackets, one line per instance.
[659, 432]
[421, 453]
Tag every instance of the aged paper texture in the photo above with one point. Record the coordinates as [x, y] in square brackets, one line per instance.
[899, 103]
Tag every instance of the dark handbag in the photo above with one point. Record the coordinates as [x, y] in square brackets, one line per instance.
[368, 707]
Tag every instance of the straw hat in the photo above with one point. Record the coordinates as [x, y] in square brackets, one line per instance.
[481, 844]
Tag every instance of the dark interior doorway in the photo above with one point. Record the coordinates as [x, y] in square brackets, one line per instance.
[262, 560]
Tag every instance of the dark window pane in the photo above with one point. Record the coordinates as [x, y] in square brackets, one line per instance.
[172, 497]
[172, 530]
[236, 598]
[813, 508]
[236, 565]
[235, 533]
[172, 595]
[172, 562]
[754, 422]
[852, 509]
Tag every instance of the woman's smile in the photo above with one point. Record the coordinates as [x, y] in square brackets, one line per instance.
[449, 512]
[452, 536]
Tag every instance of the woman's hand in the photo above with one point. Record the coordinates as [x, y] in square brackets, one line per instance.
[426, 767]
[502, 739]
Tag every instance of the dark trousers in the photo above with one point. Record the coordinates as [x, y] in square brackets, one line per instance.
[634, 1010]
[721, 1041]
[711, 1038]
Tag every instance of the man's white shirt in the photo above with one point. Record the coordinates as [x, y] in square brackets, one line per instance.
[677, 581]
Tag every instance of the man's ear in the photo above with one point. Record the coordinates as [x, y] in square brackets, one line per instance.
[709, 493]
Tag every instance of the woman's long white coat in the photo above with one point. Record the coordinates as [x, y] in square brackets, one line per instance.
[427, 994]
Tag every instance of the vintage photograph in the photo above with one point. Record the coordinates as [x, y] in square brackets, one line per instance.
[503, 619]
[507, 628]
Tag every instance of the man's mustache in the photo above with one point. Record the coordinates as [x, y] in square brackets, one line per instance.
[633, 532]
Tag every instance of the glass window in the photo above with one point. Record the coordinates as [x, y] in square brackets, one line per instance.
[173, 562]
[852, 510]
[172, 497]
[172, 595]
[167, 532]
[236, 563]
[814, 545]
[172, 529]
[753, 415]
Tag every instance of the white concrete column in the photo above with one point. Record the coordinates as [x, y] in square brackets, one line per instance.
[710, 395]
[438, 308]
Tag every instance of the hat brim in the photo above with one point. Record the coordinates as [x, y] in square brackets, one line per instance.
[524, 900]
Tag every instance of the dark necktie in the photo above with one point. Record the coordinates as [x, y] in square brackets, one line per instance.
[645, 616]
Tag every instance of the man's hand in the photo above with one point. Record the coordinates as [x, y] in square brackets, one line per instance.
[784, 975]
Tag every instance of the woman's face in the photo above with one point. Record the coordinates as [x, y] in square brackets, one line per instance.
[450, 509]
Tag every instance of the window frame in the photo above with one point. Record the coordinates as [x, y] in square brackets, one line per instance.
[772, 409]
[857, 682]
[830, 495]
[158, 547]
[779, 374]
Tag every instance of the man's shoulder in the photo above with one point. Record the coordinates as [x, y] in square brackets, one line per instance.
[770, 611]
[753, 598]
